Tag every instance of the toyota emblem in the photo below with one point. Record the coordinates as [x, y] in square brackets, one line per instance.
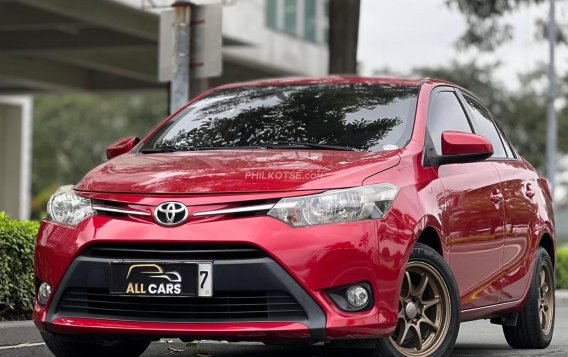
[171, 214]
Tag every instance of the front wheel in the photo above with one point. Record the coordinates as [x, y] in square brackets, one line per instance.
[61, 346]
[428, 309]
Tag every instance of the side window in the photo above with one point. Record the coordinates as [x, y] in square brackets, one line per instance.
[446, 114]
[485, 126]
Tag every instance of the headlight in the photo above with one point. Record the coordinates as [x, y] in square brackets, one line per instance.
[66, 207]
[353, 204]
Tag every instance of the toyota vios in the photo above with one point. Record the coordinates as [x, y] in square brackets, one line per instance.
[316, 210]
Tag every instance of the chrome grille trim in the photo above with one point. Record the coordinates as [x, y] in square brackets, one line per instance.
[264, 207]
[120, 210]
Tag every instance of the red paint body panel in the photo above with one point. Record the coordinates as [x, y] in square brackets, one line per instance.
[223, 171]
[489, 243]
[474, 228]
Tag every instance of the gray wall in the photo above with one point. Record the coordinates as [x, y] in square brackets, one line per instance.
[15, 142]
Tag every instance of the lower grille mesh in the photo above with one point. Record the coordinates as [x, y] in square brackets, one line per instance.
[224, 306]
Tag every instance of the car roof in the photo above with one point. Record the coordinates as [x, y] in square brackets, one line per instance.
[336, 79]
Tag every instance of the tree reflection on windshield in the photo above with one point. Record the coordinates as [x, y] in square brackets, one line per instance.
[364, 117]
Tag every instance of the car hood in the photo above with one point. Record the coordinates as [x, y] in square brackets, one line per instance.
[227, 171]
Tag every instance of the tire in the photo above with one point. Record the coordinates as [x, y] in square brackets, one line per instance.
[531, 332]
[417, 302]
[63, 347]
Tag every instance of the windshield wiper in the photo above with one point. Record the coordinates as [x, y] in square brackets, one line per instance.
[279, 144]
[171, 148]
[284, 144]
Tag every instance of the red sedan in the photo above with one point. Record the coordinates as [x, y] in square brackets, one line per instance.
[339, 208]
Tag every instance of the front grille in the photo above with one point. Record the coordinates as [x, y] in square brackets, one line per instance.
[224, 306]
[175, 251]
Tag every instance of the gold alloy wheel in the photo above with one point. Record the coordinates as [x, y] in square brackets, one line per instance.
[424, 311]
[546, 299]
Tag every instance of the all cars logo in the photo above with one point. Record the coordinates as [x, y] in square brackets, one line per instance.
[154, 280]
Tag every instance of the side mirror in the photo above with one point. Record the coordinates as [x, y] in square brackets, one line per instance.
[458, 147]
[121, 146]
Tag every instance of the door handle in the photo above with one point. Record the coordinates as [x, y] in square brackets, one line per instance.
[529, 192]
[496, 197]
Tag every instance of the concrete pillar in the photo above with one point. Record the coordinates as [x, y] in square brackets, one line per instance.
[15, 155]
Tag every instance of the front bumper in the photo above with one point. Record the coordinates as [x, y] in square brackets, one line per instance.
[302, 262]
[253, 290]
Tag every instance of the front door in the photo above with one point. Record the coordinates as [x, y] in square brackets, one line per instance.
[473, 213]
[473, 223]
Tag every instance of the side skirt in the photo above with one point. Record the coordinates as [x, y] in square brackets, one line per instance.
[490, 311]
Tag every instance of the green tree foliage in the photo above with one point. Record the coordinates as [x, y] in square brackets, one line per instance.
[72, 132]
[17, 240]
[487, 27]
[562, 268]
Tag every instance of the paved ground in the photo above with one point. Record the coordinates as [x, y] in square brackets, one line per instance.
[477, 338]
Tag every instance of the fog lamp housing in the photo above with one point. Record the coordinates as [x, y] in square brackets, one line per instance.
[43, 293]
[352, 298]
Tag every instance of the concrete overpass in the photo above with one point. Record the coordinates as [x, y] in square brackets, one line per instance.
[92, 45]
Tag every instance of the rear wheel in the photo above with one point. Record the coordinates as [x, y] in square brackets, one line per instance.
[64, 347]
[535, 324]
[428, 309]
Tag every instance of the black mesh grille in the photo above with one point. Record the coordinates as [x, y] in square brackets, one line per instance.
[175, 251]
[224, 306]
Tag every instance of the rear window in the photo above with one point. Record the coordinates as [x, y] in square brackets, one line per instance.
[363, 117]
[485, 126]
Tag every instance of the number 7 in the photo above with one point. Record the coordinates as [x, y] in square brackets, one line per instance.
[205, 274]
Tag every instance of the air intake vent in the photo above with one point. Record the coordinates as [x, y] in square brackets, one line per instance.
[224, 306]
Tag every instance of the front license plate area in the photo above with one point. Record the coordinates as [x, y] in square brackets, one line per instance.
[161, 278]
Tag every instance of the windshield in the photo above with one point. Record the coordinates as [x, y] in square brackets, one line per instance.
[362, 117]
